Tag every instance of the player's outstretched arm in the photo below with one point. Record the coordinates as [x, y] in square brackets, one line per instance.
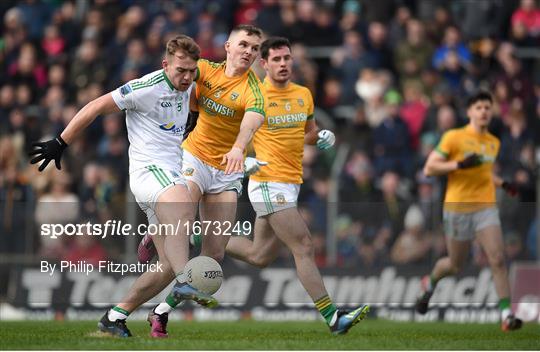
[53, 149]
[235, 157]
[437, 165]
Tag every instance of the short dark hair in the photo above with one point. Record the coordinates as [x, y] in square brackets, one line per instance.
[185, 44]
[479, 96]
[249, 29]
[273, 43]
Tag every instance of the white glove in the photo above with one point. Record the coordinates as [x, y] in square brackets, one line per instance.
[252, 165]
[326, 139]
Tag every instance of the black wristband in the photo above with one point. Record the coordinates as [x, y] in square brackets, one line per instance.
[61, 141]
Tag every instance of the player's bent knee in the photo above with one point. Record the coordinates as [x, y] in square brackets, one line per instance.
[304, 247]
[166, 268]
[260, 262]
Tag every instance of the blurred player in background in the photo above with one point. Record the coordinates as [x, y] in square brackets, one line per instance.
[467, 155]
[230, 103]
[273, 189]
[155, 159]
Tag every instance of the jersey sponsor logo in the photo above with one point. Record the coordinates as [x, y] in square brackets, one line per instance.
[171, 127]
[213, 108]
[125, 90]
[286, 121]
[234, 96]
[166, 104]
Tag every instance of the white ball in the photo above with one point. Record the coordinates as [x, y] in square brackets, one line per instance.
[204, 274]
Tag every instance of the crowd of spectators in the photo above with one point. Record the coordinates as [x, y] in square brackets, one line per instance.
[389, 76]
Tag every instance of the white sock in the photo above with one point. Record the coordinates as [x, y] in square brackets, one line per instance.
[114, 315]
[181, 278]
[163, 308]
[505, 313]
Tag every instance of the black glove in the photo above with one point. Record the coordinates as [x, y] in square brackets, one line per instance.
[50, 150]
[510, 188]
[470, 161]
[191, 123]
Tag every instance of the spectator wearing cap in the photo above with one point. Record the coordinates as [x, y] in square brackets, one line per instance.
[412, 245]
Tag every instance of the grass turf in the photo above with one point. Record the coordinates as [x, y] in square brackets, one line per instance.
[368, 335]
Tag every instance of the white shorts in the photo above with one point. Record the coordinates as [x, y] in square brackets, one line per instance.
[148, 183]
[464, 226]
[271, 197]
[208, 178]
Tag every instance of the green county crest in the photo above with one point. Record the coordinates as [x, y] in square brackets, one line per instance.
[188, 171]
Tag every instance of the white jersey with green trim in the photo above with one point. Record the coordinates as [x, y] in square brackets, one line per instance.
[156, 116]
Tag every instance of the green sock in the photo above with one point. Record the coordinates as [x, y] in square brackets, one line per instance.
[120, 310]
[432, 282]
[326, 308]
[171, 301]
[504, 303]
[196, 240]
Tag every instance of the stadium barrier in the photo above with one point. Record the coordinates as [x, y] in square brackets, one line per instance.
[275, 294]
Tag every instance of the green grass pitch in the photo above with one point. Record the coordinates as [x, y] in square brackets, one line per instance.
[368, 335]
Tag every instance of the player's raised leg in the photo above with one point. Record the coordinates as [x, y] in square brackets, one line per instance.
[458, 252]
[491, 240]
[260, 251]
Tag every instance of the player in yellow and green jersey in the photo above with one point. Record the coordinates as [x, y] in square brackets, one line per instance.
[467, 155]
[273, 188]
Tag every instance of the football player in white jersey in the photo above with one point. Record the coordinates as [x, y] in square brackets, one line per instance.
[157, 107]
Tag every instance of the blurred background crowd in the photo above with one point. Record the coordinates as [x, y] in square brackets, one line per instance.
[389, 76]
